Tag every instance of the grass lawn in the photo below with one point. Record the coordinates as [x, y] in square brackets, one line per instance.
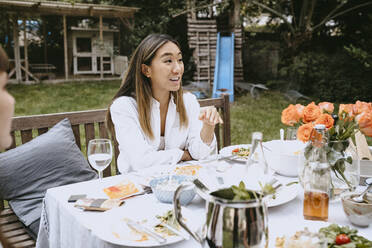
[66, 97]
[247, 114]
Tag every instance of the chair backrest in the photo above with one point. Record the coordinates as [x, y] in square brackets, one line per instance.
[90, 124]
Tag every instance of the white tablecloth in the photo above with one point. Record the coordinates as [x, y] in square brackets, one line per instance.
[63, 225]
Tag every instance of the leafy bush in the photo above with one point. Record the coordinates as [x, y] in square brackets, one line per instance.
[329, 77]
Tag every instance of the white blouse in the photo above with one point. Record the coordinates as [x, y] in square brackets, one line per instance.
[138, 151]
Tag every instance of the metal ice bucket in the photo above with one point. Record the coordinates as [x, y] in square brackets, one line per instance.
[229, 224]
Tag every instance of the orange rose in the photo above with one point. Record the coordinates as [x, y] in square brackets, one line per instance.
[365, 123]
[360, 107]
[326, 107]
[348, 108]
[325, 119]
[304, 132]
[311, 113]
[290, 115]
[300, 110]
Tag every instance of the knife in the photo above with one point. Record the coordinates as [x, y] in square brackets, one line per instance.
[231, 159]
[143, 229]
[175, 231]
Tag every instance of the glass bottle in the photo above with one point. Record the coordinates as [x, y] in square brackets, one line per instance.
[257, 155]
[317, 178]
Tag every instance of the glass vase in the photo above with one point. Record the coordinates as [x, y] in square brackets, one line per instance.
[343, 159]
[345, 164]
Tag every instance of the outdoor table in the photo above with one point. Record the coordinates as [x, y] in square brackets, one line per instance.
[63, 225]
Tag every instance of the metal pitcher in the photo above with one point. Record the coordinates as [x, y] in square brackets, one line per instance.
[229, 224]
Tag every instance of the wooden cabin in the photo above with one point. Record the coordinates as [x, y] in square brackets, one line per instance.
[91, 59]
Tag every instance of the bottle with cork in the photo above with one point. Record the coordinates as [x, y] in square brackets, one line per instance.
[317, 177]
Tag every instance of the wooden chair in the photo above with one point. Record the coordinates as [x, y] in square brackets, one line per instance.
[86, 125]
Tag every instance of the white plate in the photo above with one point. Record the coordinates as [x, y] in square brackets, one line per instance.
[227, 151]
[283, 195]
[115, 230]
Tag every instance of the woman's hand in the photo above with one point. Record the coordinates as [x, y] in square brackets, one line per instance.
[210, 117]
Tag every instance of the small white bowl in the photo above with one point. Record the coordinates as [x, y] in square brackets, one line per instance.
[166, 196]
[283, 156]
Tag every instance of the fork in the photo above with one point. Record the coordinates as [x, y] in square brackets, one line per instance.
[146, 190]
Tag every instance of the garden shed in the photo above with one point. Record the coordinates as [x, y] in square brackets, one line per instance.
[86, 50]
[101, 60]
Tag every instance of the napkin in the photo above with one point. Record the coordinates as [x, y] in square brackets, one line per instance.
[362, 147]
[98, 204]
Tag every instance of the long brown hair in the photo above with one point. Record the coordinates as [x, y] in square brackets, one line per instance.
[135, 84]
[3, 68]
[3, 60]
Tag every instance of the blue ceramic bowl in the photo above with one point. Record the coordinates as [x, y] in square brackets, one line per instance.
[166, 196]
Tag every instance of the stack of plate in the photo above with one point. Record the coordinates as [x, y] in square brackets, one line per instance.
[366, 167]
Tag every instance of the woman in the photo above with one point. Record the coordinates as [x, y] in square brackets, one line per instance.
[6, 113]
[154, 122]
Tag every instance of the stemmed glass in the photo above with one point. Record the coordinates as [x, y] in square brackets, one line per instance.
[99, 154]
[257, 147]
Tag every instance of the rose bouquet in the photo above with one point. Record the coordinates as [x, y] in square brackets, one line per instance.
[340, 127]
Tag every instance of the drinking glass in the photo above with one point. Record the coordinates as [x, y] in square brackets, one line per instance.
[99, 154]
[291, 133]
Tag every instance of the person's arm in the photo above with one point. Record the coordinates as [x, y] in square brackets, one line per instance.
[210, 117]
[201, 141]
[132, 142]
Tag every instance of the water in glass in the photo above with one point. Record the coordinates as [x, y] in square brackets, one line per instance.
[99, 154]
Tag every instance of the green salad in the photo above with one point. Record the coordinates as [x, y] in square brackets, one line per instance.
[343, 237]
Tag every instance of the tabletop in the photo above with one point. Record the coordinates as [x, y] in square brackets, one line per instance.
[63, 225]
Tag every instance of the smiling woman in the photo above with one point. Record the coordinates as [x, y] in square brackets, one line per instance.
[6, 113]
[153, 120]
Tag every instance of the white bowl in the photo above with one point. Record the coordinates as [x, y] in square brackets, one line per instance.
[166, 196]
[283, 156]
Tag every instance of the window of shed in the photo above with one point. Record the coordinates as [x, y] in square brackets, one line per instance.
[84, 63]
[84, 45]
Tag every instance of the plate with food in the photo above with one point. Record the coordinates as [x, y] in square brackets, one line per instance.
[239, 152]
[123, 189]
[329, 235]
[187, 170]
[126, 226]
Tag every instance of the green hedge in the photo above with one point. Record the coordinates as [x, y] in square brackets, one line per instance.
[334, 77]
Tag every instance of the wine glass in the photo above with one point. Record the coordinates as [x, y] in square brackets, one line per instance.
[99, 154]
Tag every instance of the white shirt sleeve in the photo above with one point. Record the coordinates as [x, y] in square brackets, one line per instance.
[197, 148]
[135, 152]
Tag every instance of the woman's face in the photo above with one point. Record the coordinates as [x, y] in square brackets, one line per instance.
[6, 112]
[166, 69]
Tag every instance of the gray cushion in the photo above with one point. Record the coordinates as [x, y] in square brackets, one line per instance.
[49, 160]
